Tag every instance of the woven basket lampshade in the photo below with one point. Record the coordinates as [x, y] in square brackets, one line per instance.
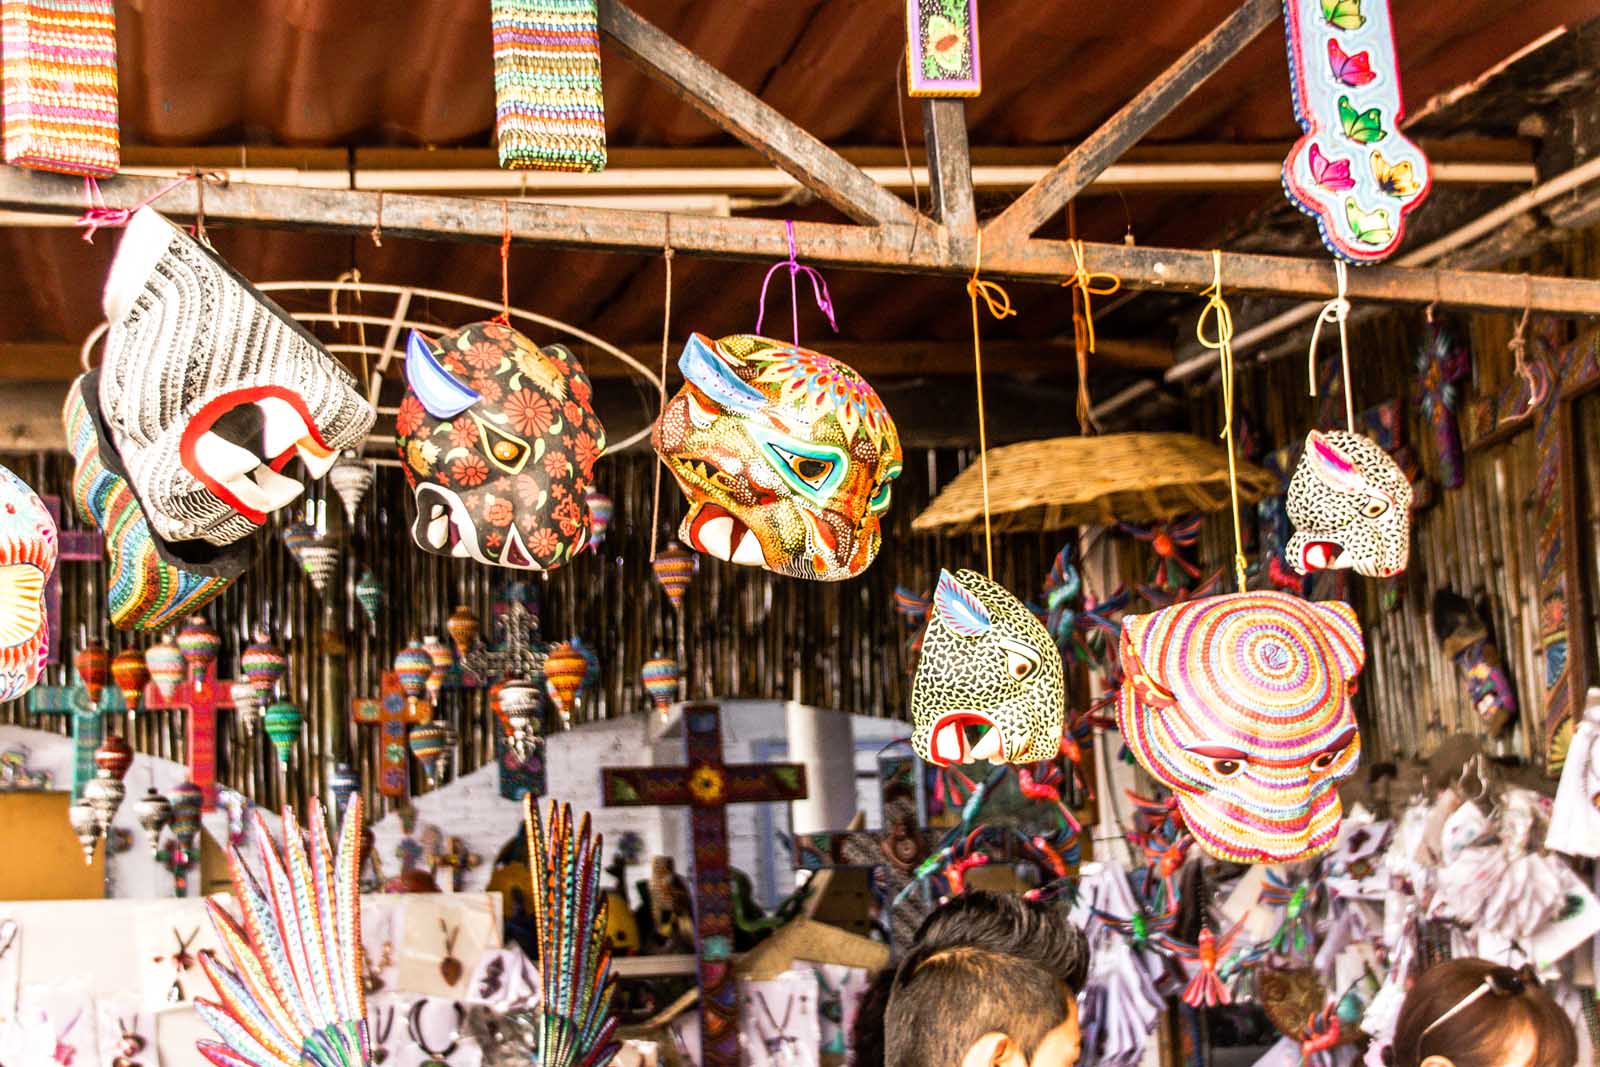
[1087, 481]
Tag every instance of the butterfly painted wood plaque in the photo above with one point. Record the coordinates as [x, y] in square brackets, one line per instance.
[942, 59]
[1352, 170]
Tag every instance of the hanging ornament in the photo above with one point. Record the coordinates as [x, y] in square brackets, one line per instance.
[167, 669]
[283, 721]
[296, 536]
[113, 758]
[427, 743]
[186, 799]
[351, 477]
[199, 642]
[441, 659]
[600, 511]
[519, 711]
[413, 665]
[447, 758]
[154, 813]
[94, 669]
[674, 567]
[464, 629]
[319, 558]
[246, 706]
[265, 664]
[564, 669]
[369, 594]
[104, 796]
[660, 675]
[343, 784]
[131, 674]
[85, 826]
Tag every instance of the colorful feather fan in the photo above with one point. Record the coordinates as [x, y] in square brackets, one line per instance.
[294, 994]
[574, 954]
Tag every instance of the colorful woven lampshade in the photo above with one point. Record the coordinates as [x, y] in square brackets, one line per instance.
[351, 477]
[369, 594]
[440, 660]
[427, 743]
[319, 558]
[564, 670]
[61, 86]
[464, 628]
[549, 105]
[343, 784]
[93, 662]
[674, 567]
[265, 664]
[186, 798]
[413, 665]
[167, 668]
[113, 757]
[660, 675]
[601, 510]
[199, 642]
[283, 722]
[296, 536]
[131, 673]
[246, 705]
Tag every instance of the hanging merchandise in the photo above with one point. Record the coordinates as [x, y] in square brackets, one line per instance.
[549, 105]
[85, 827]
[168, 671]
[131, 673]
[351, 477]
[93, 664]
[660, 676]
[413, 666]
[344, 783]
[786, 456]
[28, 550]
[427, 742]
[1353, 170]
[1351, 508]
[319, 558]
[464, 628]
[61, 86]
[1444, 366]
[143, 590]
[986, 661]
[104, 794]
[296, 536]
[498, 439]
[440, 662]
[1469, 641]
[369, 594]
[942, 48]
[674, 568]
[600, 511]
[199, 642]
[264, 664]
[564, 671]
[518, 703]
[283, 722]
[113, 758]
[154, 813]
[207, 389]
[1240, 704]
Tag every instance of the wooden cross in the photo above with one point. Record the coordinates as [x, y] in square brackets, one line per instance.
[391, 713]
[88, 724]
[72, 546]
[1569, 372]
[707, 786]
[200, 698]
[892, 854]
[452, 854]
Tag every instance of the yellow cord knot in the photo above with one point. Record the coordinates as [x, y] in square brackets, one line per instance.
[1217, 307]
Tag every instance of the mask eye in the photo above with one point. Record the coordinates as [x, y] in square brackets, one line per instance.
[1375, 507]
[1324, 761]
[809, 469]
[1020, 662]
[1228, 768]
[508, 453]
[880, 499]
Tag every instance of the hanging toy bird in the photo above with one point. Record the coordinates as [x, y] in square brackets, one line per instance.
[1167, 541]
[1298, 904]
[1159, 598]
[1044, 782]
[1206, 987]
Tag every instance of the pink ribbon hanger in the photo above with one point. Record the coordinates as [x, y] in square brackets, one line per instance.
[819, 288]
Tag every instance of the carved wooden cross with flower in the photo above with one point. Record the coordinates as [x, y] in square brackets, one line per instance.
[706, 785]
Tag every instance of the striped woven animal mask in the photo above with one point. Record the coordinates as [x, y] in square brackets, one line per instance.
[1240, 704]
[986, 662]
[498, 439]
[1351, 508]
[27, 556]
[786, 455]
[208, 390]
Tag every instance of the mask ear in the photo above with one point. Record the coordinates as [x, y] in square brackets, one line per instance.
[702, 364]
[442, 394]
[1333, 466]
[960, 610]
[1151, 687]
[1338, 623]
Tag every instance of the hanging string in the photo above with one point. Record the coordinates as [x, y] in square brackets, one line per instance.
[96, 215]
[666, 339]
[1084, 284]
[905, 150]
[504, 318]
[1538, 382]
[377, 226]
[1336, 310]
[999, 303]
[819, 288]
[1223, 346]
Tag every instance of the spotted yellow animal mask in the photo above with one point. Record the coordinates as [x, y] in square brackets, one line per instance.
[786, 456]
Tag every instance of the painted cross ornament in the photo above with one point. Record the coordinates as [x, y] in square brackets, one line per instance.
[1350, 504]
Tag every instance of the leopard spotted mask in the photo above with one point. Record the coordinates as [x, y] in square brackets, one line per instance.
[1351, 508]
[786, 457]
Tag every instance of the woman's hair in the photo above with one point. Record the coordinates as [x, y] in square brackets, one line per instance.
[1480, 1033]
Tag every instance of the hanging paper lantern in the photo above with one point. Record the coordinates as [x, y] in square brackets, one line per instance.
[343, 785]
[351, 477]
[600, 511]
[104, 796]
[113, 758]
[131, 673]
[246, 705]
[660, 676]
[94, 669]
[564, 669]
[427, 743]
[464, 628]
[319, 558]
[369, 594]
[167, 668]
[154, 813]
[86, 826]
[265, 664]
[440, 660]
[283, 721]
[674, 567]
[199, 642]
[186, 799]
[413, 665]
[518, 702]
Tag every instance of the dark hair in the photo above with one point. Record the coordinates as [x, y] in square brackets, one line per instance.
[1479, 1034]
[983, 962]
[866, 1037]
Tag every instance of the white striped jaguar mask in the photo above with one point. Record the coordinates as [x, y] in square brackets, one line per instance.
[1351, 508]
[208, 390]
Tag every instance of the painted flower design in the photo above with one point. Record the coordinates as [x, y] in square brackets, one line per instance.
[945, 44]
[453, 364]
[527, 490]
[494, 539]
[489, 389]
[555, 463]
[588, 453]
[706, 785]
[463, 433]
[573, 412]
[530, 413]
[421, 454]
[543, 543]
[484, 356]
[569, 515]
[409, 417]
[582, 391]
[469, 470]
[498, 511]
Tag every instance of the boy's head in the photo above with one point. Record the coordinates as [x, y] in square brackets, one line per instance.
[991, 982]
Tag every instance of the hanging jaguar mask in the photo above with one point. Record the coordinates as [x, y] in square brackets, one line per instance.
[1351, 508]
[498, 438]
[989, 682]
[1240, 704]
[786, 456]
[143, 590]
[207, 391]
[28, 550]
